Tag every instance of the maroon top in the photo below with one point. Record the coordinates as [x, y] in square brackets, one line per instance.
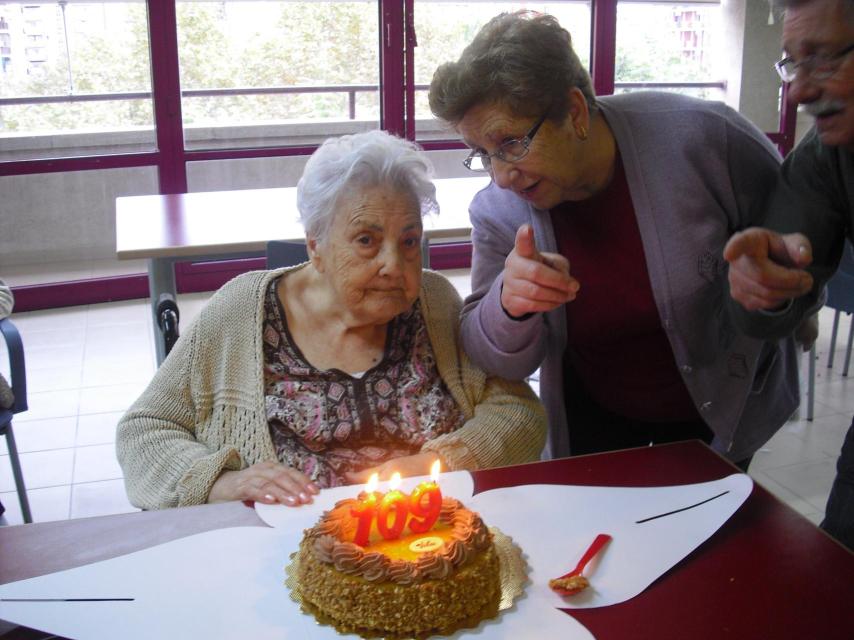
[615, 342]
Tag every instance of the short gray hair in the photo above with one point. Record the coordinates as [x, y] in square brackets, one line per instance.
[373, 158]
[522, 60]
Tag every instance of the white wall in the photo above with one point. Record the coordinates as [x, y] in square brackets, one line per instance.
[753, 46]
[58, 217]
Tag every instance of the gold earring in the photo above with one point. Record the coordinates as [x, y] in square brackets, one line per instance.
[581, 132]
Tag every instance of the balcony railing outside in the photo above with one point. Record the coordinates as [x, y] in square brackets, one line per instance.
[350, 90]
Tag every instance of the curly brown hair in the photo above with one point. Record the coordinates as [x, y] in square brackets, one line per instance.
[522, 60]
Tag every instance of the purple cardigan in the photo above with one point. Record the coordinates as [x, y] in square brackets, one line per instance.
[697, 172]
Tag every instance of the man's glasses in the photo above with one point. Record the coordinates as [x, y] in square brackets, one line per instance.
[817, 67]
[509, 151]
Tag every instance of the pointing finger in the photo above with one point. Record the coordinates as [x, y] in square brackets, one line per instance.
[525, 245]
[750, 242]
[798, 249]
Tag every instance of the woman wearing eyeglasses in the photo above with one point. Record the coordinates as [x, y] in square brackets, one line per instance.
[598, 248]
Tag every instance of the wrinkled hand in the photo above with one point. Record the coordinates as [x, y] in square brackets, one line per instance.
[535, 281]
[267, 482]
[416, 465]
[766, 269]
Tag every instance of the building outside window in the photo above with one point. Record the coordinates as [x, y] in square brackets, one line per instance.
[670, 46]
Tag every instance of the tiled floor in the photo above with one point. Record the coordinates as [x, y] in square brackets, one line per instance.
[85, 365]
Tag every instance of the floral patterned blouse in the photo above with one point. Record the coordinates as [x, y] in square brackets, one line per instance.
[326, 423]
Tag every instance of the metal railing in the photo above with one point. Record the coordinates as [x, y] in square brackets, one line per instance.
[350, 89]
[672, 85]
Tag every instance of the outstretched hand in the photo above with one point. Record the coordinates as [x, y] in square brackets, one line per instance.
[534, 281]
[767, 269]
[266, 482]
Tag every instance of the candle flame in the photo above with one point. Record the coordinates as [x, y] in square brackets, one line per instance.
[373, 481]
[394, 483]
[434, 471]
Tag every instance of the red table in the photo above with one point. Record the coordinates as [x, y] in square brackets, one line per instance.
[768, 573]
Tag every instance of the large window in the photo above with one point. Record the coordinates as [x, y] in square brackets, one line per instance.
[282, 73]
[178, 95]
[257, 74]
[71, 69]
[669, 46]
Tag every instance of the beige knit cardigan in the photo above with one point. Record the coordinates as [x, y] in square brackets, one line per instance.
[204, 410]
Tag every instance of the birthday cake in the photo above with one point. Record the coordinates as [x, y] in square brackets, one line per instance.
[433, 574]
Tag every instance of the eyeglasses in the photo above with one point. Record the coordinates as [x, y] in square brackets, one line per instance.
[818, 67]
[509, 151]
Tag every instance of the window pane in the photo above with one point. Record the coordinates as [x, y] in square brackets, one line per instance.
[74, 79]
[277, 73]
[666, 43]
[444, 29]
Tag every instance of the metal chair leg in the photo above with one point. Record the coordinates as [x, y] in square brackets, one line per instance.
[811, 384]
[833, 339]
[18, 475]
[848, 349]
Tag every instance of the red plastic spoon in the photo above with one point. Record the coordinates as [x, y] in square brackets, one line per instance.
[573, 582]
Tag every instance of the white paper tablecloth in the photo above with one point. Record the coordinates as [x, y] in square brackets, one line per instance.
[229, 583]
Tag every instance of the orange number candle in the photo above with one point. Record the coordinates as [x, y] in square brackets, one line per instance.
[365, 511]
[425, 503]
[396, 502]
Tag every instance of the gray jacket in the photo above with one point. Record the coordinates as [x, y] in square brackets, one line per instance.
[697, 172]
[815, 197]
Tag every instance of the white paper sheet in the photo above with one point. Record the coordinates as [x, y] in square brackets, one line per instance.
[568, 518]
[224, 584]
[229, 583]
[458, 484]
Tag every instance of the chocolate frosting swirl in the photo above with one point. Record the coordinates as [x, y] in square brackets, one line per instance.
[327, 527]
[402, 572]
[449, 508]
[330, 523]
[455, 552]
[373, 566]
[323, 548]
[482, 538]
[346, 556]
[431, 565]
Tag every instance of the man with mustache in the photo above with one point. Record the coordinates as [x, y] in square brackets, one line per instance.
[777, 273]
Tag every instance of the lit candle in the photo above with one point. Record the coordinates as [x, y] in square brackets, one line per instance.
[425, 503]
[393, 502]
[364, 512]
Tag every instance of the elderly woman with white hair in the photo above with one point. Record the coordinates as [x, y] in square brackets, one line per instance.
[314, 376]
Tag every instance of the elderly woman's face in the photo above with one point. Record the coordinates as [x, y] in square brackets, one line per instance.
[372, 254]
[552, 172]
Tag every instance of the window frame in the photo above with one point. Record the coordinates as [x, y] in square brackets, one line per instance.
[397, 97]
